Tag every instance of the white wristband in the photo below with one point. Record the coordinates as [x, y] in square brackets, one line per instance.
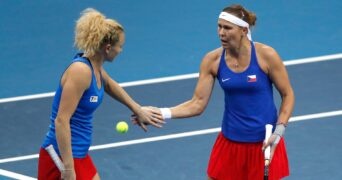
[166, 113]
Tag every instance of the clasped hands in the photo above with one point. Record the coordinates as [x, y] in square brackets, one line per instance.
[148, 115]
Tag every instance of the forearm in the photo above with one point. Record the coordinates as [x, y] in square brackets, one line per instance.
[286, 108]
[118, 93]
[284, 116]
[187, 109]
[63, 135]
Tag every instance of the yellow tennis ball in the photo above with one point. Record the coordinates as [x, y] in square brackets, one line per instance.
[122, 127]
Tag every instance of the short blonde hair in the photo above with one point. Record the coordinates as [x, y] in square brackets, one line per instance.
[93, 30]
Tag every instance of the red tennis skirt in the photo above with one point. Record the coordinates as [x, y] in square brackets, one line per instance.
[230, 160]
[84, 167]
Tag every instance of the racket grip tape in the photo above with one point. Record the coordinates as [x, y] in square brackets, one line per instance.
[54, 156]
[268, 134]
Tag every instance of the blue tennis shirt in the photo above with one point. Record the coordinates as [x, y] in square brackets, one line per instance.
[81, 121]
[249, 103]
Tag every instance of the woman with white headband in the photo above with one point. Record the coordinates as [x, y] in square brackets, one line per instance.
[246, 71]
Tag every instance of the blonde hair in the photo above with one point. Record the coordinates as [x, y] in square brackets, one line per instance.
[93, 30]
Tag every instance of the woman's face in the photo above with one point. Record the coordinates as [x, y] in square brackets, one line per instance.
[229, 34]
[114, 50]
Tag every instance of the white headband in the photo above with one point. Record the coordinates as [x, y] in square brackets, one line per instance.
[237, 21]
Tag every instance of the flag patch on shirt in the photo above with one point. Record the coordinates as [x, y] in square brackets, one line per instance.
[93, 98]
[251, 78]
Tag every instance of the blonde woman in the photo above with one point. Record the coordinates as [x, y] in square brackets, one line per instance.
[80, 92]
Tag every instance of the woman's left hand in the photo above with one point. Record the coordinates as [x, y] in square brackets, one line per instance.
[272, 143]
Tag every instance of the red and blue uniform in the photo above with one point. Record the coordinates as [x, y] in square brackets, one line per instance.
[80, 124]
[249, 106]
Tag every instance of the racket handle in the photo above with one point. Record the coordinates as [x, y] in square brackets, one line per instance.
[54, 156]
[268, 134]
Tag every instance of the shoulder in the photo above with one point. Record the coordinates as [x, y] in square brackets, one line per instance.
[212, 57]
[267, 55]
[78, 73]
[265, 51]
[79, 68]
[210, 61]
[214, 54]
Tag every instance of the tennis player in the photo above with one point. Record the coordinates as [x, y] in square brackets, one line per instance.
[80, 92]
[246, 71]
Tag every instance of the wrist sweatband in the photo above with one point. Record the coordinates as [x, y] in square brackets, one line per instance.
[279, 132]
[166, 113]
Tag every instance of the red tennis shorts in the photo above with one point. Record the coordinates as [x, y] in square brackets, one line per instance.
[84, 167]
[230, 160]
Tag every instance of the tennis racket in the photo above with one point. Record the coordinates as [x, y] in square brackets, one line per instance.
[267, 152]
[54, 156]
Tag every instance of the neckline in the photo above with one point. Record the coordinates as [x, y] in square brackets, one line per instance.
[246, 69]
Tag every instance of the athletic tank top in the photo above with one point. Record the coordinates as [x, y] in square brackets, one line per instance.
[81, 121]
[249, 103]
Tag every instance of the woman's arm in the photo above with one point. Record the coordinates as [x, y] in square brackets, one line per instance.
[197, 104]
[279, 77]
[113, 89]
[278, 74]
[75, 81]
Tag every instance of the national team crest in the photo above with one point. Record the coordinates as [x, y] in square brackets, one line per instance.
[252, 78]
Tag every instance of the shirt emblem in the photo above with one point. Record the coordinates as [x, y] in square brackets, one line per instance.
[251, 78]
[93, 98]
[224, 80]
